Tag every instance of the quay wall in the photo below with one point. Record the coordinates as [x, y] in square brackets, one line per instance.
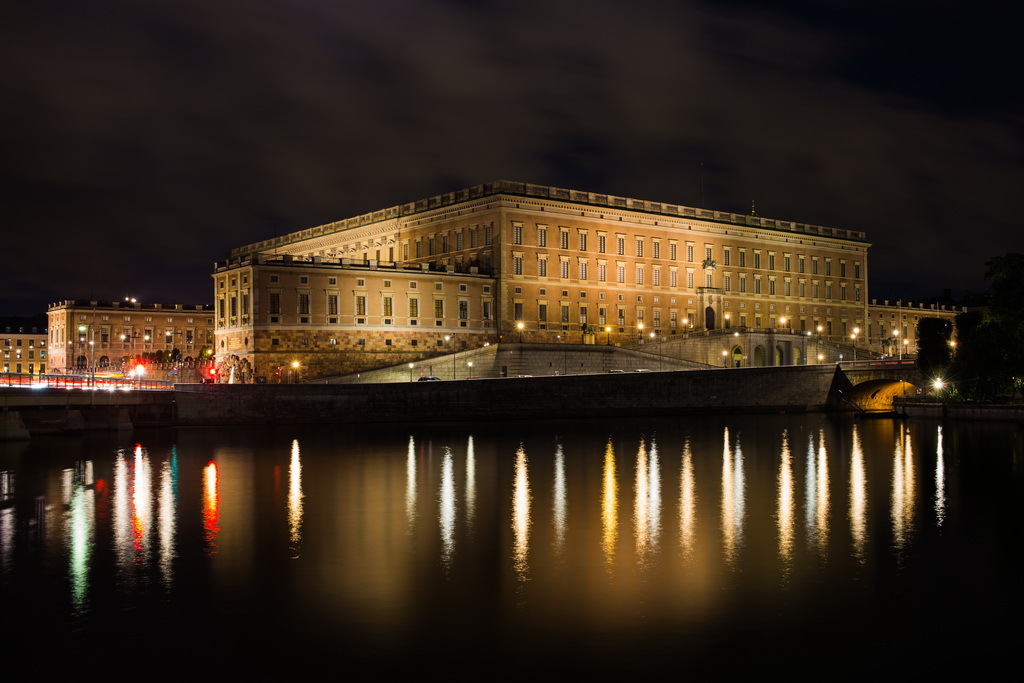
[792, 388]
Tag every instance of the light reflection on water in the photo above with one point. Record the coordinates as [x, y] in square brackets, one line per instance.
[378, 541]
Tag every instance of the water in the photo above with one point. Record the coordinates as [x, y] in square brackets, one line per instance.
[813, 546]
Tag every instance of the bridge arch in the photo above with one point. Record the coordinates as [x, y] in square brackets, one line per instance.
[876, 395]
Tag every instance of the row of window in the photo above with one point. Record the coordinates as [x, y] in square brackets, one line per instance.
[457, 239]
[640, 244]
[19, 342]
[387, 306]
[31, 354]
[639, 278]
[30, 368]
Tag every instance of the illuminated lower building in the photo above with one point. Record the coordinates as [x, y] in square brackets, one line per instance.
[107, 334]
[24, 344]
[509, 261]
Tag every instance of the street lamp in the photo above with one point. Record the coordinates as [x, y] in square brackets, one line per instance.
[640, 328]
[469, 364]
[725, 356]
[782, 322]
[295, 372]
[410, 371]
[895, 338]
[520, 326]
[853, 336]
[608, 331]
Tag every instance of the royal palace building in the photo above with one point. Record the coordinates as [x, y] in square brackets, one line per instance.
[509, 261]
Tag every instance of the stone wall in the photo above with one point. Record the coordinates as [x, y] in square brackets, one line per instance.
[614, 394]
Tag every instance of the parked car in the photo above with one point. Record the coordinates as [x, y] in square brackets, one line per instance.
[429, 378]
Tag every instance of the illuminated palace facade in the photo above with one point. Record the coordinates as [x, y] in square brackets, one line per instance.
[509, 261]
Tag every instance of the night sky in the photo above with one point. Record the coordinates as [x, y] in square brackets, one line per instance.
[141, 141]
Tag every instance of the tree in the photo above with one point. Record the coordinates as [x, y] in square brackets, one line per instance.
[989, 362]
[933, 350]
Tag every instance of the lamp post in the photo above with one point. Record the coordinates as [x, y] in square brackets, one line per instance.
[295, 371]
[782, 322]
[469, 365]
[410, 371]
[520, 326]
[92, 350]
[608, 331]
[640, 329]
[853, 337]
[896, 340]
[725, 358]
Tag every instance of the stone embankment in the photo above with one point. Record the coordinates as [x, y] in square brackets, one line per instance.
[788, 388]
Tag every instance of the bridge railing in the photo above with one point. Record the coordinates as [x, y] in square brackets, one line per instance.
[94, 382]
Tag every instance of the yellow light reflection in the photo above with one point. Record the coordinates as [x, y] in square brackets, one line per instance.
[640, 525]
[940, 480]
[470, 482]
[903, 489]
[816, 503]
[447, 507]
[142, 504]
[132, 508]
[647, 503]
[560, 503]
[446, 512]
[823, 496]
[733, 504]
[295, 504]
[521, 516]
[167, 518]
[786, 505]
[687, 504]
[609, 507]
[858, 498]
[7, 519]
[410, 484]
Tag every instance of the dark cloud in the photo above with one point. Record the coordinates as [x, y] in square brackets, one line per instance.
[145, 140]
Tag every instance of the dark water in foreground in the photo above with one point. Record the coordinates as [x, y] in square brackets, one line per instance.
[801, 546]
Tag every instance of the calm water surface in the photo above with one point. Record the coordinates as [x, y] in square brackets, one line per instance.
[816, 546]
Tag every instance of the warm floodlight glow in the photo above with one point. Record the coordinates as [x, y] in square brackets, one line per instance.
[938, 383]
